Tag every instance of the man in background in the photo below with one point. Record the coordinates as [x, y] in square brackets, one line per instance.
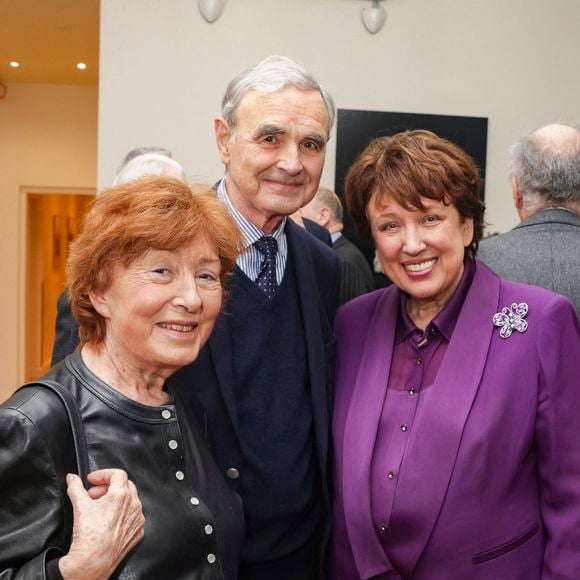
[356, 277]
[544, 249]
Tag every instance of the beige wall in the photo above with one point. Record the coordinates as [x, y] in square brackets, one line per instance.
[163, 69]
[48, 142]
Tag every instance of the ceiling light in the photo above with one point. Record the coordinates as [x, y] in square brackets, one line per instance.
[81, 66]
[373, 17]
[211, 9]
[14, 64]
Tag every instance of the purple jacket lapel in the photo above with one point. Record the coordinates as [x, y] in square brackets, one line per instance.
[433, 449]
[360, 434]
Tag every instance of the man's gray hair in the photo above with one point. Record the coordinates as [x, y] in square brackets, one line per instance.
[546, 166]
[327, 198]
[149, 164]
[138, 151]
[269, 76]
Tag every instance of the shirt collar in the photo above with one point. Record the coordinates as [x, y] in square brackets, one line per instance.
[250, 231]
[334, 236]
[446, 320]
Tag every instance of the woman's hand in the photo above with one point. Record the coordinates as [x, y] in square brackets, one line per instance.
[107, 523]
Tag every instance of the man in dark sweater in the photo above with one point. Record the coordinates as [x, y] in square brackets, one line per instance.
[356, 277]
[265, 376]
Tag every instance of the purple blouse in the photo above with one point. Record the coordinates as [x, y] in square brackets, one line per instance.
[417, 356]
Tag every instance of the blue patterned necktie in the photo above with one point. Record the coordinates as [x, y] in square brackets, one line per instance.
[266, 280]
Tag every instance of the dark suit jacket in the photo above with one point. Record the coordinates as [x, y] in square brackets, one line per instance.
[66, 331]
[543, 250]
[317, 231]
[356, 277]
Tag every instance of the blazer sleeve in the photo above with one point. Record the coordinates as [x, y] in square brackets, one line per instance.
[31, 501]
[558, 438]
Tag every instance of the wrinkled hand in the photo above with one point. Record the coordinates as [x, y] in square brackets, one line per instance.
[107, 523]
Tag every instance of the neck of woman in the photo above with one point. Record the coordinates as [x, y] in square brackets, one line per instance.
[145, 386]
[422, 314]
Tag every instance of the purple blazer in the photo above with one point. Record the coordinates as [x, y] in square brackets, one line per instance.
[490, 483]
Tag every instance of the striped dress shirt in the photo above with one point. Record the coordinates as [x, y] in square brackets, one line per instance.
[250, 260]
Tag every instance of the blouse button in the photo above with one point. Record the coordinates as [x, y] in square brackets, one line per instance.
[391, 475]
[412, 391]
[172, 444]
[194, 501]
[382, 528]
[166, 414]
[404, 427]
[211, 558]
[418, 360]
[179, 475]
[208, 530]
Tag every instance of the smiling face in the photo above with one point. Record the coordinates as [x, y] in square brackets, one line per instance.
[275, 155]
[421, 251]
[160, 310]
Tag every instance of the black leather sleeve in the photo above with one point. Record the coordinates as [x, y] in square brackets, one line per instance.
[31, 500]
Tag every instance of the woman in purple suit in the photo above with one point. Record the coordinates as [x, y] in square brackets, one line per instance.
[456, 426]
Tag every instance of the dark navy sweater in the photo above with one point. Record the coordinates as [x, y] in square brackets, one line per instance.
[279, 481]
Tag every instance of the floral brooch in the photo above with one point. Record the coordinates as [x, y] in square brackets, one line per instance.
[511, 318]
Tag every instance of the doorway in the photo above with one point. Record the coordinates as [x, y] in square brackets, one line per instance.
[53, 221]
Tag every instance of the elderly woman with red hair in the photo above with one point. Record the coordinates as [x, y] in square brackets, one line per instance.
[146, 285]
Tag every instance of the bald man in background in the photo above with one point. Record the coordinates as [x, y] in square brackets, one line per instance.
[544, 249]
[356, 277]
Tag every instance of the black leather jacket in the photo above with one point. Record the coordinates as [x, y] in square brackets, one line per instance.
[194, 523]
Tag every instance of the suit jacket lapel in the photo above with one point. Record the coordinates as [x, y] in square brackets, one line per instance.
[313, 333]
[220, 348]
[360, 434]
[434, 446]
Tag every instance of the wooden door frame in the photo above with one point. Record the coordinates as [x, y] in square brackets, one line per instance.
[24, 191]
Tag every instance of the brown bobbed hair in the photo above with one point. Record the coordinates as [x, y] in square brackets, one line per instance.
[409, 167]
[126, 221]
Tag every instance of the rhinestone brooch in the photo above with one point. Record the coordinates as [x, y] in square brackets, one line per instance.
[511, 318]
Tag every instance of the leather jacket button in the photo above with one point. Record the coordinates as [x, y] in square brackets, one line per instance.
[179, 475]
[166, 414]
[194, 501]
[172, 444]
[208, 529]
[211, 558]
[232, 473]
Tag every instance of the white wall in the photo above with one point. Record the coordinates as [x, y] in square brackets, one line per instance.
[48, 140]
[164, 69]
